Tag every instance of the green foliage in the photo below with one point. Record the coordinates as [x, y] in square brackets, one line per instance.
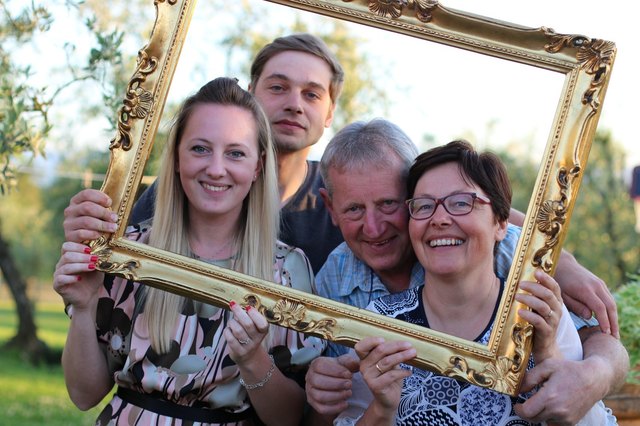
[32, 218]
[628, 300]
[32, 215]
[362, 91]
[24, 123]
[26, 228]
[107, 66]
[601, 232]
[22, 25]
[522, 175]
[24, 108]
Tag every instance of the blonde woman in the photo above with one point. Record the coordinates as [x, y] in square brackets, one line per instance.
[175, 360]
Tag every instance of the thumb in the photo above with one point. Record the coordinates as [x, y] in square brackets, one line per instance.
[349, 362]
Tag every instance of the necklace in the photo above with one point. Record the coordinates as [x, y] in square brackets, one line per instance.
[216, 254]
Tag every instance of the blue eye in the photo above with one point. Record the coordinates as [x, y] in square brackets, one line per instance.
[459, 203]
[236, 154]
[389, 206]
[354, 212]
[312, 95]
[199, 149]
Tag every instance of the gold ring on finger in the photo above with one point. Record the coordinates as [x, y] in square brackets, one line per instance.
[379, 369]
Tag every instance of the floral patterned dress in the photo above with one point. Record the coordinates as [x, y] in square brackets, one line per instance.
[197, 371]
[430, 399]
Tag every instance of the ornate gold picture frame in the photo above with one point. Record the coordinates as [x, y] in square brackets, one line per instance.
[586, 64]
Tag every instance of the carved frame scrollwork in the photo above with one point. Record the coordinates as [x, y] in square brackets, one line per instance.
[586, 64]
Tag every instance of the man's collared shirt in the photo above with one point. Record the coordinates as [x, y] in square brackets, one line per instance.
[346, 279]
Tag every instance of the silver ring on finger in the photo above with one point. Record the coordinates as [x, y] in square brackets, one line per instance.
[550, 314]
[379, 369]
[244, 341]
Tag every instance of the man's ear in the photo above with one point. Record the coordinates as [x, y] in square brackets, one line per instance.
[328, 202]
[329, 119]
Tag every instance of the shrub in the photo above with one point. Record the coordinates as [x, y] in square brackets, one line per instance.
[628, 300]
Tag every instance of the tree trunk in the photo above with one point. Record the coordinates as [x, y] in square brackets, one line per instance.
[26, 340]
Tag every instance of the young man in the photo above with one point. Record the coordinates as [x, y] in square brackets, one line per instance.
[298, 81]
[376, 259]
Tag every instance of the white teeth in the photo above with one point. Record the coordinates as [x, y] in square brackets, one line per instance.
[445, 242]
[215, 188]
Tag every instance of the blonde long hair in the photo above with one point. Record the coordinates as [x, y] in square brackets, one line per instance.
[259, 223]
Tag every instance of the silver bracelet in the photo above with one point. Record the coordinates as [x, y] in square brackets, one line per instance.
[262, 382]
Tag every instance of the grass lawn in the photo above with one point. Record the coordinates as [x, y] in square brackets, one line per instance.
[36, 395]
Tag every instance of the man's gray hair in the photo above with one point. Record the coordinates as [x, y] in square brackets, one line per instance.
[367, 144]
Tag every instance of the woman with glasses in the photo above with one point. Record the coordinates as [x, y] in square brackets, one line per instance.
[459, 206]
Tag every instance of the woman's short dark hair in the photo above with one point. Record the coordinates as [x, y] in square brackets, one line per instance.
[485, 170]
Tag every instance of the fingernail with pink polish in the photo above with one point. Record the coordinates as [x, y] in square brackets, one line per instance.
[232, 304]
[94, 258]
[87, 250]
[78, 278]
[92, 266]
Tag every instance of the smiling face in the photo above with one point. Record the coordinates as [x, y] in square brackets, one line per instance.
[449, 245]
[293, 89]
[218, 160]
[369, 209]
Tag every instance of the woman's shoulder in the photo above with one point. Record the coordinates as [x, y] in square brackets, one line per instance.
[288, 252]
[293, 267]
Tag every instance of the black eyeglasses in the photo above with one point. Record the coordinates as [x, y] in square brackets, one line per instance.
[459, 204]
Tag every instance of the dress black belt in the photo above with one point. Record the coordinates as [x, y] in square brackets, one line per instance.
[163, 407]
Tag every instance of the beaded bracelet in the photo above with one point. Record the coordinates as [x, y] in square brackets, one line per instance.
[262, 382]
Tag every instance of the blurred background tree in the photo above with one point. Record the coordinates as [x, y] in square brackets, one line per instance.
[24, 126]
[25, 250]
[601, 230]
[601, 233]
